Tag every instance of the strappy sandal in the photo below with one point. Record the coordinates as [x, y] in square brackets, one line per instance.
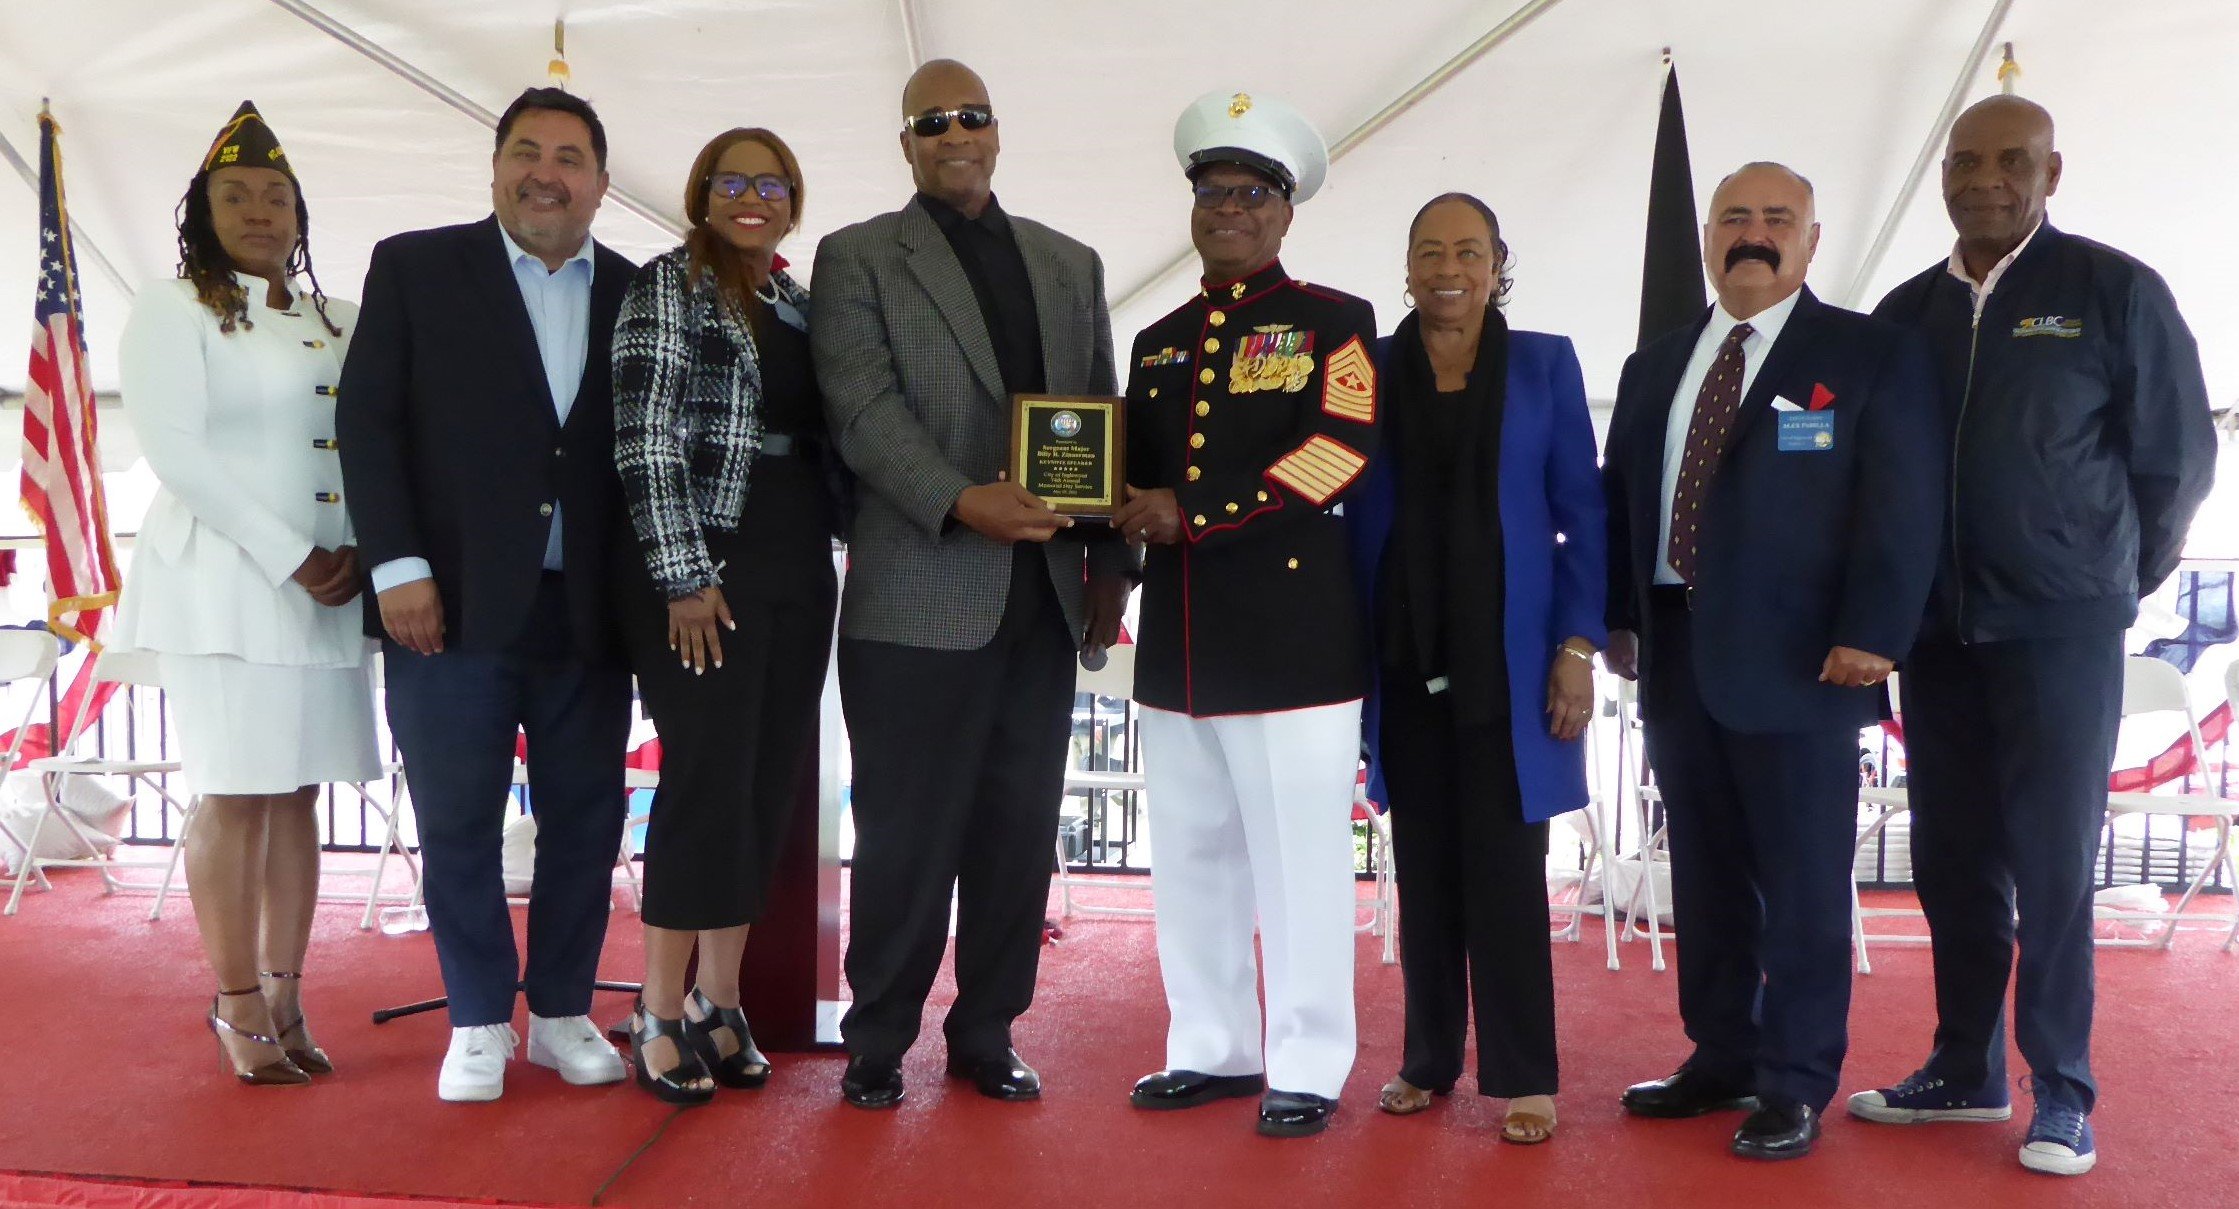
[1525, 1128]
[1403, 1099]
[676, 1084]
[280, 1072]
[308, 1057]
[747, 1068]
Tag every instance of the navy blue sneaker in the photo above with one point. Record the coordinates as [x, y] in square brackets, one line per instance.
[1923, 1099]
[2059, 1140]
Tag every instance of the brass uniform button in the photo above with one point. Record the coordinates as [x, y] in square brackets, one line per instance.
[1154, 392]
[1216, 319]
[1212, 346]
[1197, 440]
[1293, 564]
[1195, 474]
[1205, 376]
[1262, 497]
[1204, 409]
[1232, 509]
[1198, 520]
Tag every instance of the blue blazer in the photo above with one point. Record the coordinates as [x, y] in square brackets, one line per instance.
[1549, 485]
[1803, 549]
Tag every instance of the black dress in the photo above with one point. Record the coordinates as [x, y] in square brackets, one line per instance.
[735, 748]
[1471, 872]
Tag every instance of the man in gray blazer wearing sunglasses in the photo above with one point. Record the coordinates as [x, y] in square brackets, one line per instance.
[967, 598]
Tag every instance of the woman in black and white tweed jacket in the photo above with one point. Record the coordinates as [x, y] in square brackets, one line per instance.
[727, 599]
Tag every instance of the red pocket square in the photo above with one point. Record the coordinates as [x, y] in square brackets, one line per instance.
[1821, 396]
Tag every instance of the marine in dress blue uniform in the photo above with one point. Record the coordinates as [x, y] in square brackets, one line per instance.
[1251, 413]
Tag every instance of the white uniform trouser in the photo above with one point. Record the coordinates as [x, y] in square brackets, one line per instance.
[1253, 814]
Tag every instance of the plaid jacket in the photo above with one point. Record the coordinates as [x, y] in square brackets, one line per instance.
[687, 415]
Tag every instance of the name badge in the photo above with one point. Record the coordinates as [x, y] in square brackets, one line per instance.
[1806, 431]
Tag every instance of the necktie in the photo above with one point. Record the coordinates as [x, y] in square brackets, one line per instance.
[1707, 435]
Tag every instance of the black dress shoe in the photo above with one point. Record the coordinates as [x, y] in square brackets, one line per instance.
[872, 1083]
[1782, 1129]
[1004, 1078]
[1687, 1093]
[1189, 1088]
[1294, 1114]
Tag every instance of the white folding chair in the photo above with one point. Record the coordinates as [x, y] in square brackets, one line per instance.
[634, 779]
[1383, 907]
[392, 843]
[27, 658]
[1601, 854]
[1891, 801]
[2151, 686]
[128, 669]
[1649, 846]
[1116, 679]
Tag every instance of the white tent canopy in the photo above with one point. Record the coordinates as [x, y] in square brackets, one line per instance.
[1552, 124]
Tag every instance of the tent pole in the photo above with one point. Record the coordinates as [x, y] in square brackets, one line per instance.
[1930, 153]
[1407, 100]
[912, 44]
[78, 237]
[455, 99]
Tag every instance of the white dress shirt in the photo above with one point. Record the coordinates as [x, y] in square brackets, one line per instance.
[559, 306]
[1765, 328]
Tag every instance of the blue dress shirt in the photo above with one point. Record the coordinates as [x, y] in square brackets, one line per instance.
[559, 306]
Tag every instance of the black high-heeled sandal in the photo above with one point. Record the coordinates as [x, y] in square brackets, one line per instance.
[748, 1068]
[280, 1072]
[673, 1086]
[310, 1058]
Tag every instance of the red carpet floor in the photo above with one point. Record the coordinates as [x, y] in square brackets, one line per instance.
[113, 1075]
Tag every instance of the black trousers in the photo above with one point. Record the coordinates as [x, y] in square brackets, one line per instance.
[1472, 898]
[2007, 749]
[734, 739]
[455, 716]
[1761, 829]
[959, 770]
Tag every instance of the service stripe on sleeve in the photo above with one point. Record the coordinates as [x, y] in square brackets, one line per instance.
[1318, 469]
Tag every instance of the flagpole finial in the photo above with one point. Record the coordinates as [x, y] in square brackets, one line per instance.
[558, 67]
[1667, 56]
[2008, 71]
[43, 110]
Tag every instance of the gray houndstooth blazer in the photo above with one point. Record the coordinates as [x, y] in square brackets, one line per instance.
[917, 409]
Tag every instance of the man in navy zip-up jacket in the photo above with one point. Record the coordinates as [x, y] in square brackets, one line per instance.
[2082, 445]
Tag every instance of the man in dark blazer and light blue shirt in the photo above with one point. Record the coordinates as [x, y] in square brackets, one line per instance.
[1774, 481]
[476, 424]
[967, 598]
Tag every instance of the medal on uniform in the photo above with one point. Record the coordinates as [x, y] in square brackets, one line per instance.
[1070, 450]
[1281, 359]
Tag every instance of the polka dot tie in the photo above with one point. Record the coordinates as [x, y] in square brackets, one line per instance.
[1707, 434]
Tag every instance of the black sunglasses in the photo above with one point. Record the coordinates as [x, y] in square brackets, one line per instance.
[1249, 197]
[733, 186]
[934, 123]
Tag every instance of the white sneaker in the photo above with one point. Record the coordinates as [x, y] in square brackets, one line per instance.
[575, 1047]
[474, 1069]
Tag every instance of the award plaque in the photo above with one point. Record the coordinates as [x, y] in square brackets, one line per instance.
[1069, 450]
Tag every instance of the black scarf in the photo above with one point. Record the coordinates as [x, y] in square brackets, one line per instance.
[1444, 580]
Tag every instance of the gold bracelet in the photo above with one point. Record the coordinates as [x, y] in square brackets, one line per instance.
[1568, 649]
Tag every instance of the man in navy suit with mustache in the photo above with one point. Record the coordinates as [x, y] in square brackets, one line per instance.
[1774, 478]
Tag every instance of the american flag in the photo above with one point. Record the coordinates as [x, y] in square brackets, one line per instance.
[61, 462]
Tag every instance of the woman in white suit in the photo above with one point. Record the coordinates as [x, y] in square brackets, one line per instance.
[239, 576]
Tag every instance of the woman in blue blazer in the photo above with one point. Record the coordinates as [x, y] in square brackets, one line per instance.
[1477, 545]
